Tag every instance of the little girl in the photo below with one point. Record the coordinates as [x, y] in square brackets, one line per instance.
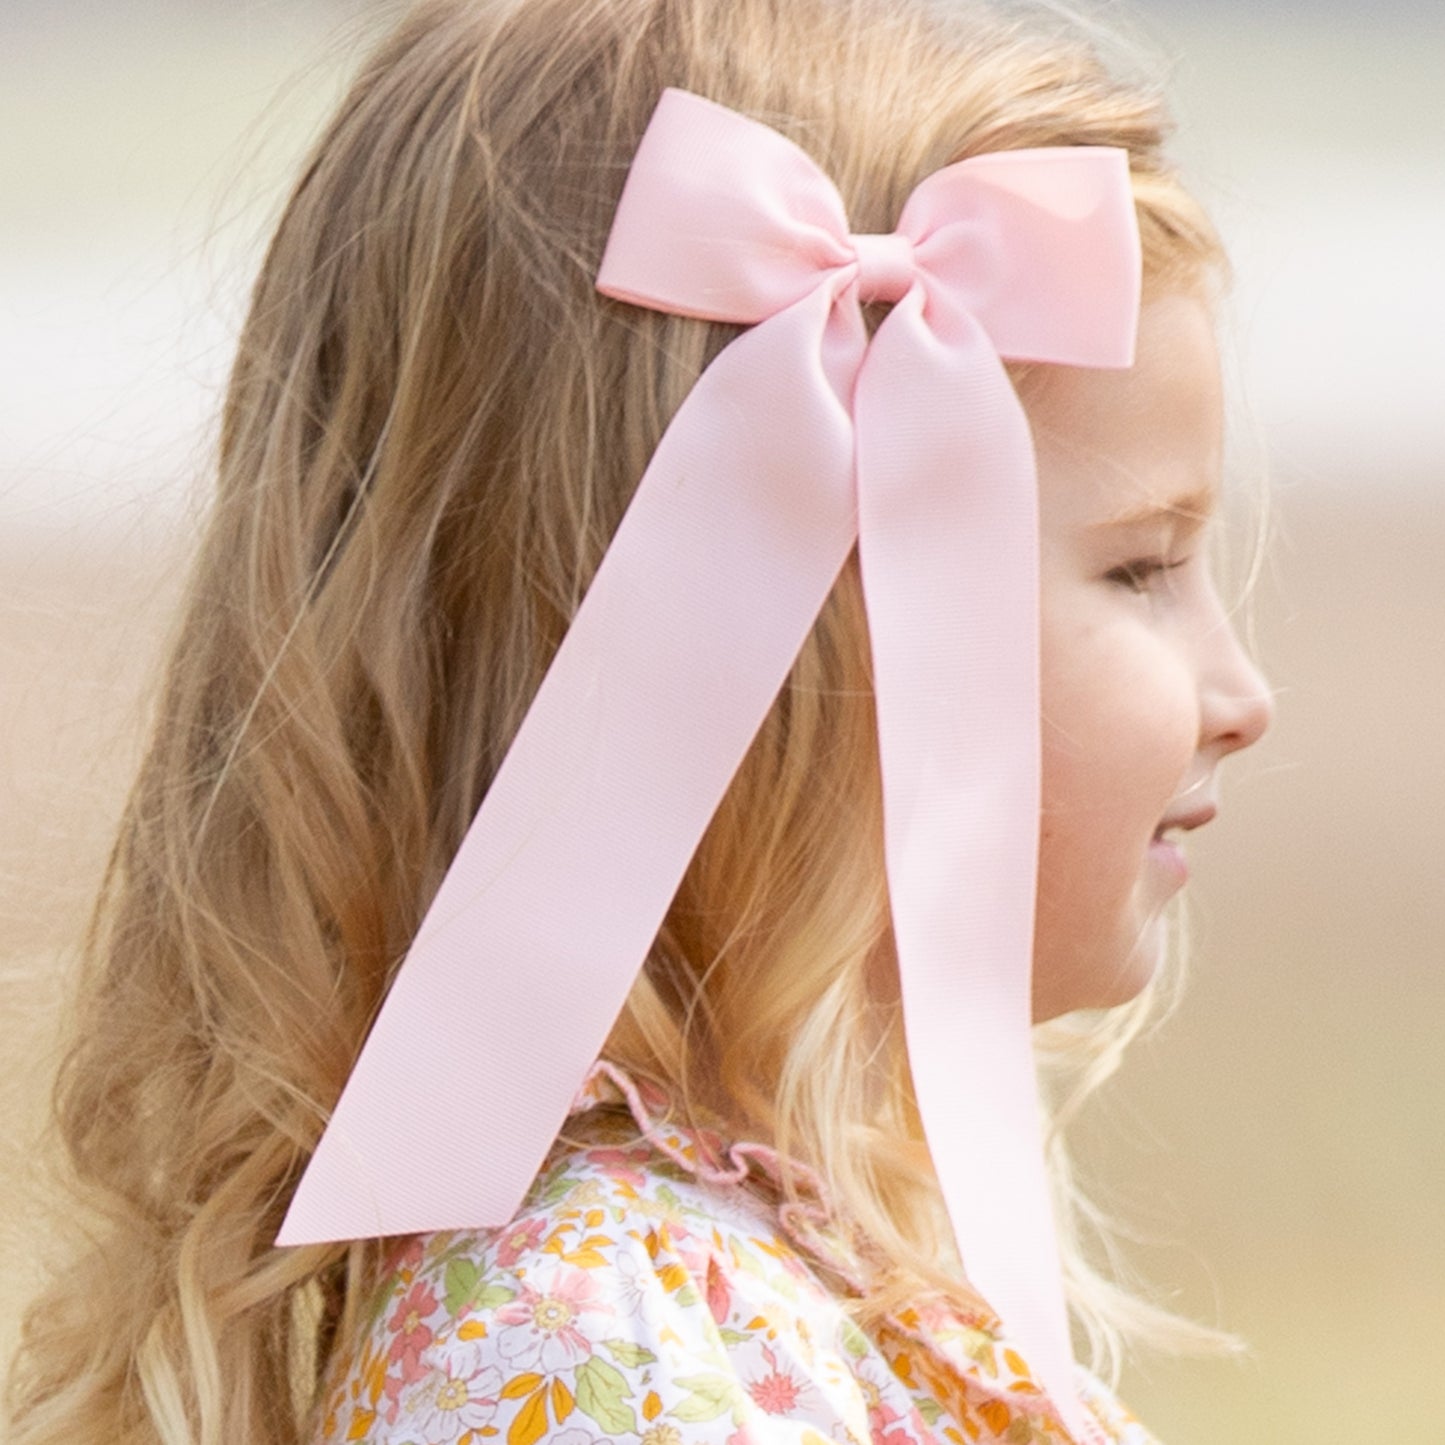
[704, 639]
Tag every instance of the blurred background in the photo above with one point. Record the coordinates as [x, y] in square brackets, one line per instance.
[1279, 1145]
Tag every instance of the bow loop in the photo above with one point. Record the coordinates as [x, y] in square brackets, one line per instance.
[1040, 246]
[721, 218]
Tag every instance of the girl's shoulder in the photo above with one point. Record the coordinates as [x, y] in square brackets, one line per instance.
[650, 1290]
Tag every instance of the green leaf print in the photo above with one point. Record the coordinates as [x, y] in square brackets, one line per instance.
[745, 1259]
[708, 1396]
[466, 1290]
[785, 1285]
[557, 1187]
[628, 1354]
[461, 1283]
[983, 1355]
[602, 1394]
[446, 1247]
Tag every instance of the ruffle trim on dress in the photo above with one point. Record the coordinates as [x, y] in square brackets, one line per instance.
[805, 1212]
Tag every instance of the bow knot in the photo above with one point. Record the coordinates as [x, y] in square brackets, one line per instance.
[885, 266]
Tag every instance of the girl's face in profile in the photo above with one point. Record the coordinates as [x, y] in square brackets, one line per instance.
[1145, 686]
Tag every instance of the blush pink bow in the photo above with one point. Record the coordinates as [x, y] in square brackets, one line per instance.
[801, 439]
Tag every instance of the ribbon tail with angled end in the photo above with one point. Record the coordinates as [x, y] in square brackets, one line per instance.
[948, 545]
[710, 586]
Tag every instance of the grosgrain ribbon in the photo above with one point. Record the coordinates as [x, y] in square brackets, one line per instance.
[801, 438]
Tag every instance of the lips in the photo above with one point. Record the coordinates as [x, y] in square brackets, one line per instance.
[1165, 851]
[1185, 822]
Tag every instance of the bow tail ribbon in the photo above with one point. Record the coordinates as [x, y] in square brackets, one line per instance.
[711, 584]
[950, 580]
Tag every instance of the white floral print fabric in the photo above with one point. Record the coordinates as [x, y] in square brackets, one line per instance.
[643, 1295]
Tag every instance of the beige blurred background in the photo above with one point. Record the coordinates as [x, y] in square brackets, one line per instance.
[1280, 1143]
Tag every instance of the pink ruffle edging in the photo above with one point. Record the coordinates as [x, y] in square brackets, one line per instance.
[811, 1223]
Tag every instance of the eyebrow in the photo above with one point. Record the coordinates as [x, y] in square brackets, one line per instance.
[1195, 506]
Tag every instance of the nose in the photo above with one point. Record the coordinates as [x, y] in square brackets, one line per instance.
[1236, 706]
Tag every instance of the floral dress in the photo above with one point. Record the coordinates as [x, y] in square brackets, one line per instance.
[645, 1294]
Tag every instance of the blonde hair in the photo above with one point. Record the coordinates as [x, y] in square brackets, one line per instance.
[432, 428]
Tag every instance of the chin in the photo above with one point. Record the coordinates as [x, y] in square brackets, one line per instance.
[1114, 976]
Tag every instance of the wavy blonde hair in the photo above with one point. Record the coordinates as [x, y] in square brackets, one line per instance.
[432, 428]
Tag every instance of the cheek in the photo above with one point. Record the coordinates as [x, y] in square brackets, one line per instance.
[1120, 736]
[1121, 729]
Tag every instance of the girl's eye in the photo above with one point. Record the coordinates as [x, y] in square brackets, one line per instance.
[1143, 573]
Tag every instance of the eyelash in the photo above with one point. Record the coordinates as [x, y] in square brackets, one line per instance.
[1138, 576]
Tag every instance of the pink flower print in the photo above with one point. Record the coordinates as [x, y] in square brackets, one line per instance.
[413, 1333]
[775, 1392]
[391, 1388]
[444, 1404]
[625, 1166]
[518, 1239]
[880, 1418]
[896, 1437]
[719, 1293]
[545, 1322]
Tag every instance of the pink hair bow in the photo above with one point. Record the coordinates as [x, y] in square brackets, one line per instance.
[800, 439]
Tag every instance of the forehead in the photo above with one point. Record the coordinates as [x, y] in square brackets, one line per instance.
[1115, 446]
